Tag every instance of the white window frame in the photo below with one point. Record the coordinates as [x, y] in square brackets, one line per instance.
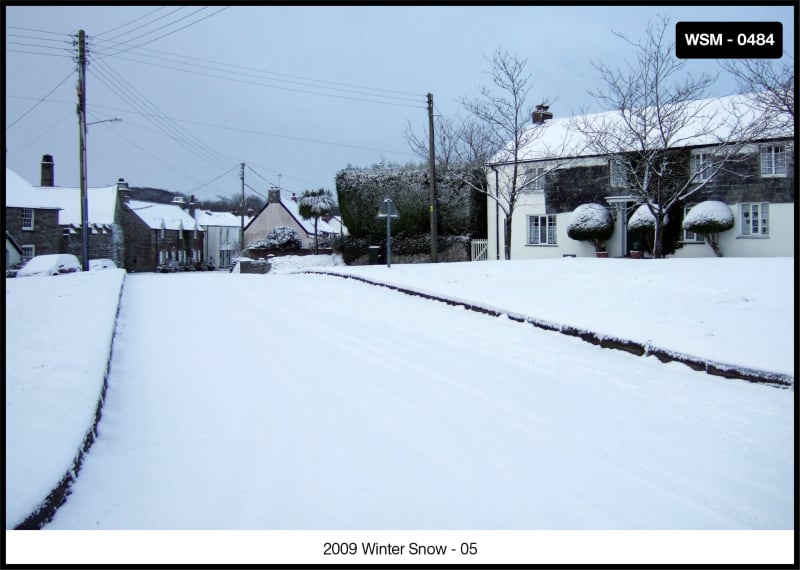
[772, 160]
[25, 225]
[701, 165]
[538, 174]
[617, 175]
[535, 230]
[28, 252]
[691, 237]
[749, 221]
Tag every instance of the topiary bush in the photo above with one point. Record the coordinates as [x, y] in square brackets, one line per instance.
[592, 223]
[708, 219]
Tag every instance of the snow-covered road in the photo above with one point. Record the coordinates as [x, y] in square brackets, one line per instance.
[314, 402]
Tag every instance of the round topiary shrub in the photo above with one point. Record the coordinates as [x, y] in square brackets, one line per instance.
[592, 223]
[708, 219]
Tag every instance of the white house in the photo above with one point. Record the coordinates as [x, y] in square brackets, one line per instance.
[222, 235]
[283, 210]
[758, 187]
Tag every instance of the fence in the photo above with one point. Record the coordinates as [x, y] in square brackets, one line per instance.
[480, 249]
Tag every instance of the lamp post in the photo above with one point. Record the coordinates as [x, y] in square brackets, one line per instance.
[84, 190]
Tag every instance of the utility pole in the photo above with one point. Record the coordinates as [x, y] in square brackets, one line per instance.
[241, 232]
[82, 146]
[432, 176]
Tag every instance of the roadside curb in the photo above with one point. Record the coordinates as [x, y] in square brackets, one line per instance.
[713, 368]
[58, 496]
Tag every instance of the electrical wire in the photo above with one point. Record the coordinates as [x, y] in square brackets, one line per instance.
[40, 101]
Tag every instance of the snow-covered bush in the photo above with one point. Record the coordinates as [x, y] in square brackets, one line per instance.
[708, 219]
[279, 237]
[643, 219]
[643, 225]
[592, 223]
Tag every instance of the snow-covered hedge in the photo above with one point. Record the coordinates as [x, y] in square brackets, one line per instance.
[591, 222]
[711, 216]
[362, 190]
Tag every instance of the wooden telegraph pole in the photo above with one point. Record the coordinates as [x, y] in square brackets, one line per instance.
[432, 176]
[82, 146]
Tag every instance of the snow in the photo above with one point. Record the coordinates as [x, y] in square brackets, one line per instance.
[101, 201]
[590, 217]
[58, 334]
[643, 218]
[296, 401]
[715, 119]
[709, 212]
[162, 216]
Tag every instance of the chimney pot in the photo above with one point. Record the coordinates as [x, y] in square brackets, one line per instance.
[541, 114]
[48, 170]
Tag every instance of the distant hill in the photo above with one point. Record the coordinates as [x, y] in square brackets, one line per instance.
[146, 194]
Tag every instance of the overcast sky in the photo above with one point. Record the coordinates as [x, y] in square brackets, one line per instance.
[295, 93]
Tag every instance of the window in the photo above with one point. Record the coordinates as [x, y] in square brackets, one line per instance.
[773, 160]
[28, 252]
[533, 178]
[701, 166]
[163, 233]
[755, 219]
[162, 257]
[542, 230]
[27, 218]
[688, 236]
[618, 177]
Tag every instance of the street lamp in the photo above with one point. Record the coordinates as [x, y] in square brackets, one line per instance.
[114, 120]
[84, 189]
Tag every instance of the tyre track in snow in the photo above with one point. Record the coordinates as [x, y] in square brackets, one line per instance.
[408, 414]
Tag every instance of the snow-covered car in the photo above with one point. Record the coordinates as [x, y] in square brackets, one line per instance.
[50, 264]
[98, 264]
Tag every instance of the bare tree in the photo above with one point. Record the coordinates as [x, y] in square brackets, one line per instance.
[770, 84]
[504, 129]
[656, 110]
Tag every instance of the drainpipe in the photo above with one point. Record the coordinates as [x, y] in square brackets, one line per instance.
[496, 211]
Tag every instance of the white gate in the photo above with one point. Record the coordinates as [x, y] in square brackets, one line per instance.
[480, 249]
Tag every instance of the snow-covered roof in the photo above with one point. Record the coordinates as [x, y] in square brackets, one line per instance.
[22, 194]
[716, 117]
[308, 225]
[163, 216]
[225, 219]
[102, 201]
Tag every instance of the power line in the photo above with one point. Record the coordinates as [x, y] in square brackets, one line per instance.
[263, 71]
[137, 100]
[39, 53]
[41, 100]
[277, 87]
[173, 31]
[239, 74]
[130, 22]
[215, 179]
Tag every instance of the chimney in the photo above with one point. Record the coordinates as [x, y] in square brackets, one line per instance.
[274, 195]
[122, 190]
[541, 114]
[250, 212]
[48, 170]
[294, 197]
[192, 205]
